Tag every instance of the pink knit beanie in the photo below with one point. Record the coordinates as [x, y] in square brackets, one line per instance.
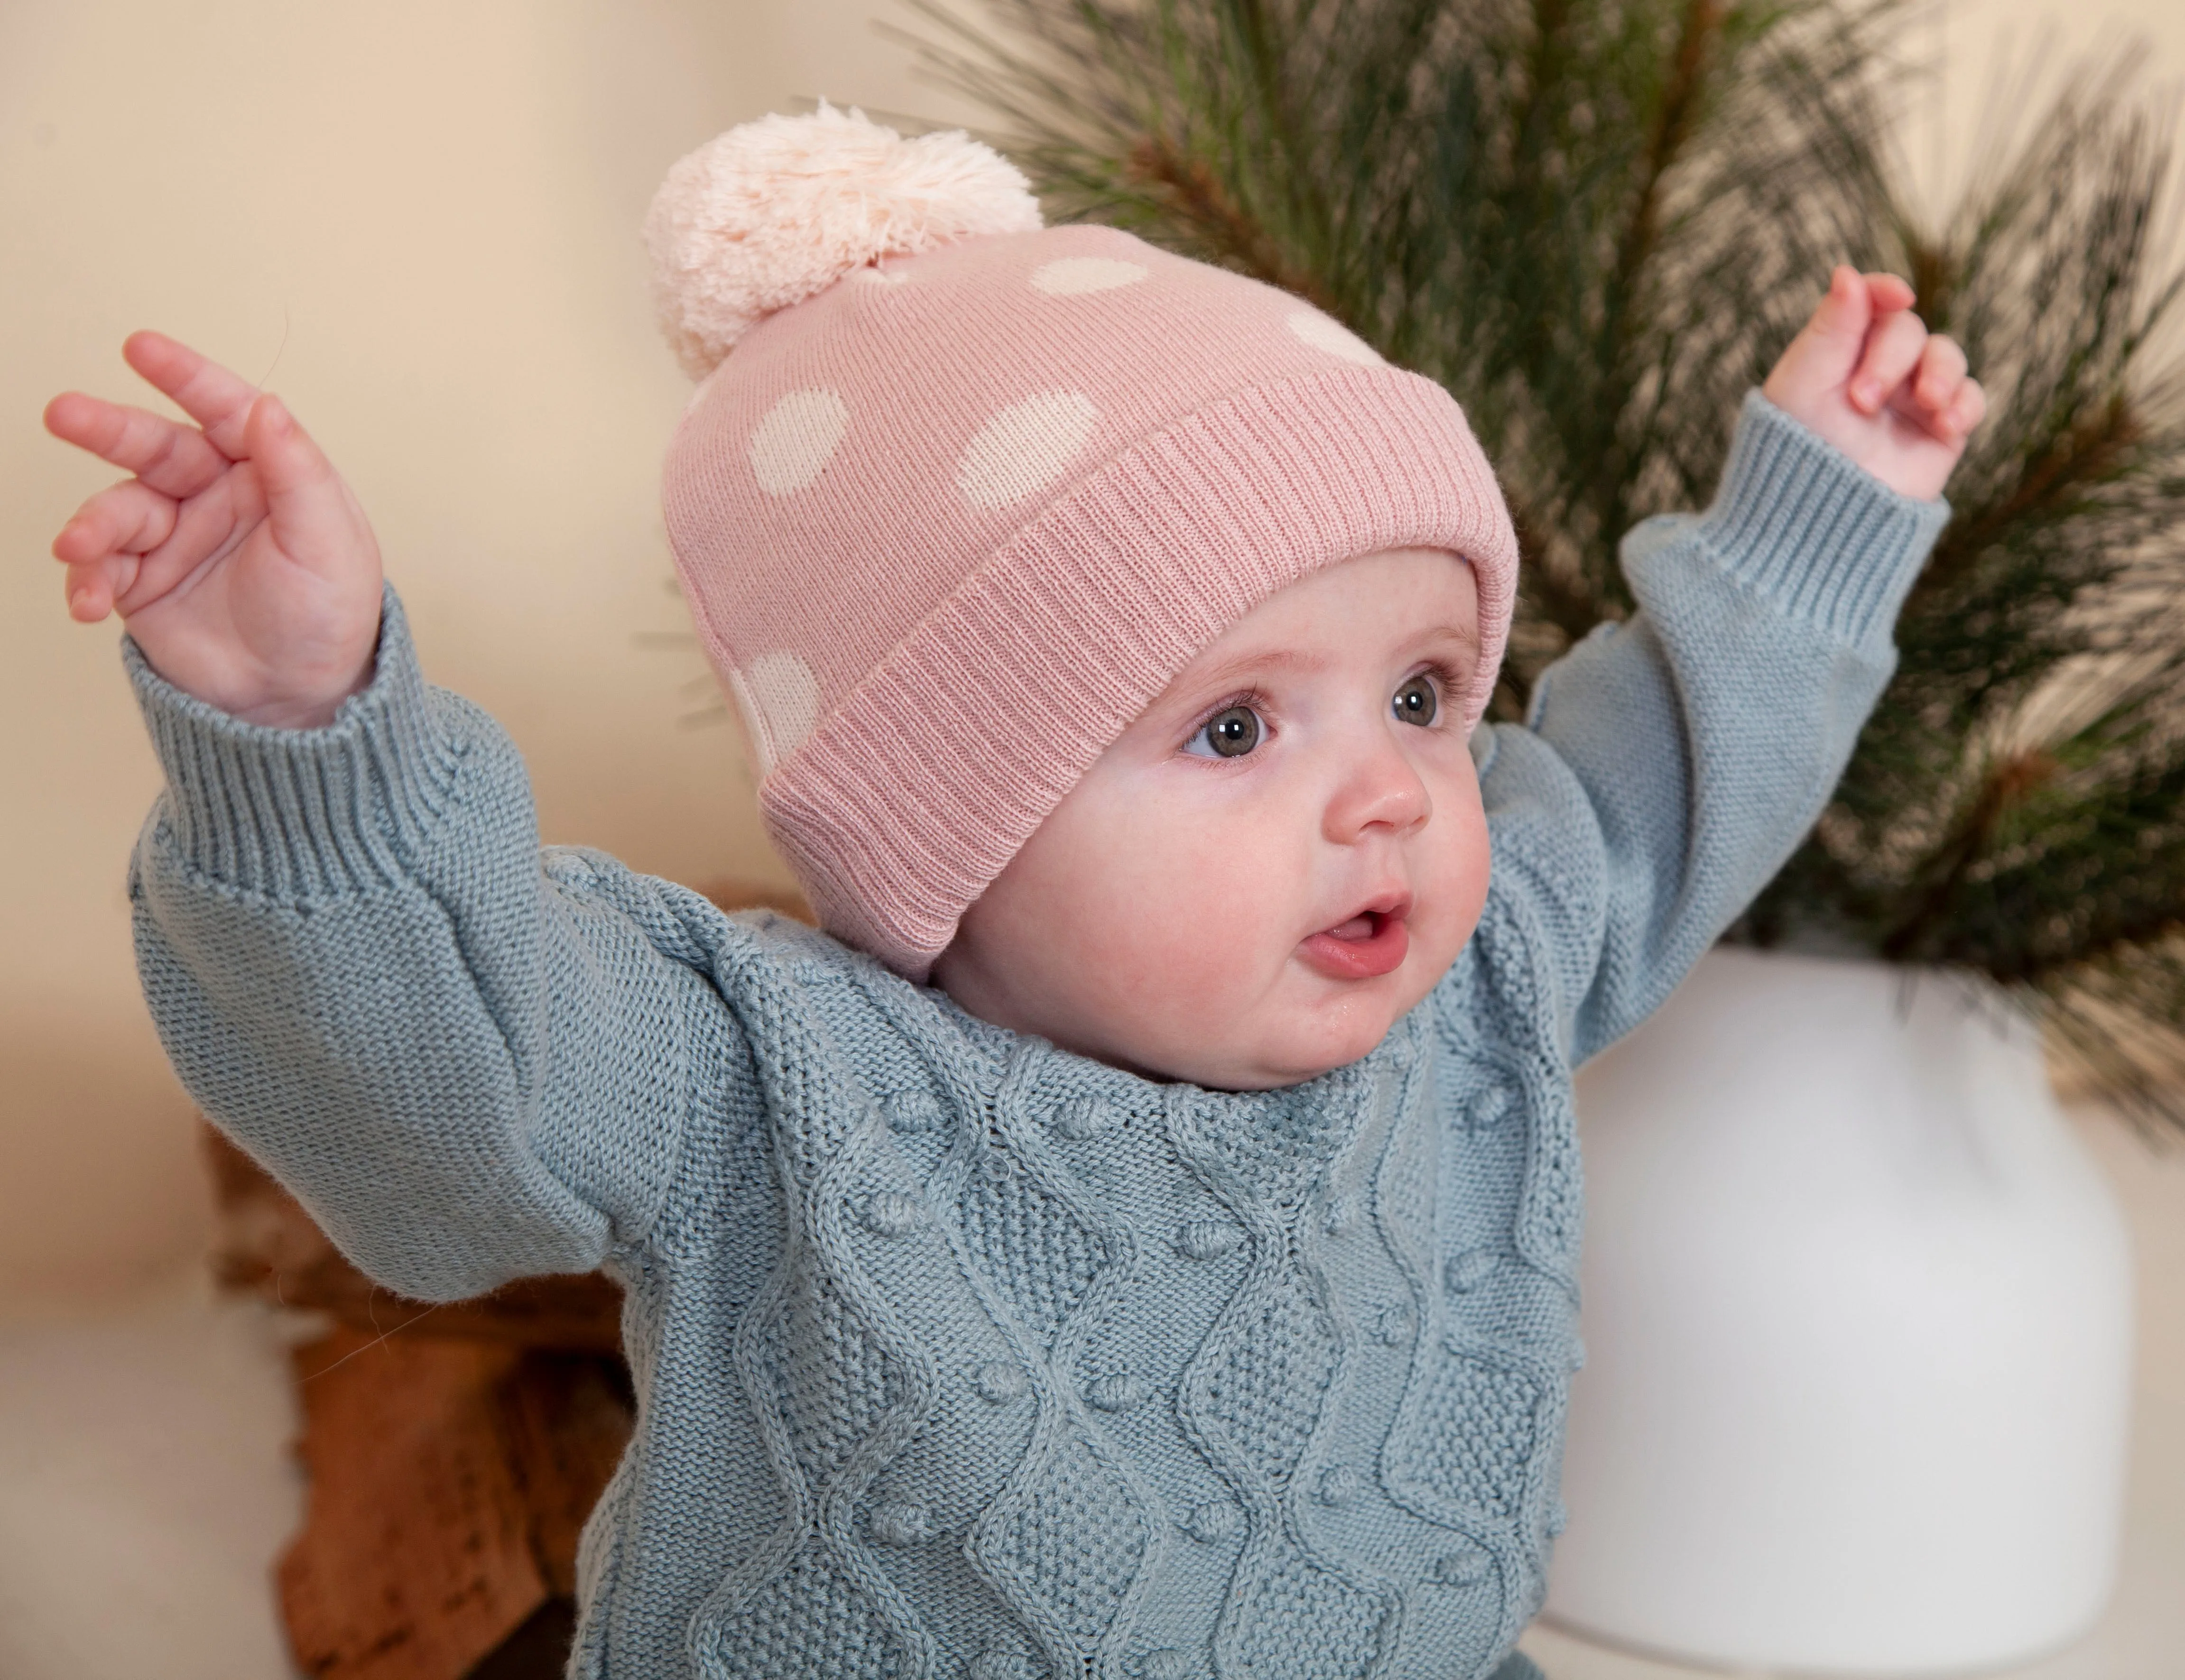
[969, 493]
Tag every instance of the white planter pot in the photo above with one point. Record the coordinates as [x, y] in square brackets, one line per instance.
[1857, 1311]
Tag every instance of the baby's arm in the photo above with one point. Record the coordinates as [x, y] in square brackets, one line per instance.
[1671, 764]
[470, 1066]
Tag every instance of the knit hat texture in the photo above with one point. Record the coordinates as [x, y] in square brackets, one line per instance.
[958, 496]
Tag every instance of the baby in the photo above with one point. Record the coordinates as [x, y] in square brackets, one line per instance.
[1139, 1237]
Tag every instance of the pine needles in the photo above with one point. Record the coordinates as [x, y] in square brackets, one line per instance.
[1597, 221]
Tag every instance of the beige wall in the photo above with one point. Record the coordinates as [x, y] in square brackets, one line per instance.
[420, 215]
[427, 211]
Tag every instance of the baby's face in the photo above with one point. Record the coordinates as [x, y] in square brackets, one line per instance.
[1277, 860]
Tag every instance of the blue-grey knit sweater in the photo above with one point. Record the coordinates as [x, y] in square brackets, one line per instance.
[958, 1355]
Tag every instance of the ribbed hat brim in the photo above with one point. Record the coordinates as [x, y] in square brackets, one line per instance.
[916, 791]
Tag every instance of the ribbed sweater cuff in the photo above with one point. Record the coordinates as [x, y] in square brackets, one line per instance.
[298, 814]
[1803, 523]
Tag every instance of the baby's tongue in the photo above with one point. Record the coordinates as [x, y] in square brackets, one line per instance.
[1358, 927]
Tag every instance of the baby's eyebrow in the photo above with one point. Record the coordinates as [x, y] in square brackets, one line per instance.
[1238, 668]
[1465, 636]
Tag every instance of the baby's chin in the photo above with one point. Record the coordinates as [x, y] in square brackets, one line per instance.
[1253, 1027]
[1277, 1046]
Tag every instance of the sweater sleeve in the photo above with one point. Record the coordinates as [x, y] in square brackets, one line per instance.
[471, 1059]
[1672, 764]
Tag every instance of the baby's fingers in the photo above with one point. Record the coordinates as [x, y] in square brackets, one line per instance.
[1966, 411]
[94, 588]
[126, 518]
[314, 519]
[1941, 370]
[104, 544]
[174, 460]
[218, 400]
[1939, 397]
[1893, 349]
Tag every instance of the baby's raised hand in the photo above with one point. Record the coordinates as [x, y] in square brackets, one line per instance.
[1866, 375]
[238, 558]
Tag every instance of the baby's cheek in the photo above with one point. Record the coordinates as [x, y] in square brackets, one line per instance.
[1451, 866]
[1199, 910]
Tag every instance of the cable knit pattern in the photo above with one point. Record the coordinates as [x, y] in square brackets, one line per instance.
[959, 1356]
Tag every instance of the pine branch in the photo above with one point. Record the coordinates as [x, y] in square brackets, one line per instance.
[2007, 784]
[1597, 221]
[2118, 1020]
[2093, 451]
[1195, 197]
[1675, 124]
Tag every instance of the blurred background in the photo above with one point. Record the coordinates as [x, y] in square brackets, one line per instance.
[418, 221]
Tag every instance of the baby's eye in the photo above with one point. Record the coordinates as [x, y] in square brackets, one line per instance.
[1229, 733]
[1416, 701]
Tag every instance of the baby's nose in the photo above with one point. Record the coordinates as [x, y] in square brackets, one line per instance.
[1379, 788]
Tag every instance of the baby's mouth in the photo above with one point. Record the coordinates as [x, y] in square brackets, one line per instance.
[1371, 943]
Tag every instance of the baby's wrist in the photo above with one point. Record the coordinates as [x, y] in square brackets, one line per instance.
[272, 804]
[304, 690]
[1803, 523]
[311, 709]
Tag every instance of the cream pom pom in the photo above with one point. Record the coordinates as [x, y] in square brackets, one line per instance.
[774, 211]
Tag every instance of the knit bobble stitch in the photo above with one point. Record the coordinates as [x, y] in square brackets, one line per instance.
[1464, 1567]
[998, 1381]
[892, 1213]
[1116, 1392]
[1086, 1116]
[1487, 1111]
[914, 1111]
[1464, 1273]
[900, 1524]
[1209, 1239]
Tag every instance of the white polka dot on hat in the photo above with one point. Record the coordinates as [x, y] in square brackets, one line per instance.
[946, 467]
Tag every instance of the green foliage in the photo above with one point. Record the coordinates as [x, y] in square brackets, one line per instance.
[1597, 222]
